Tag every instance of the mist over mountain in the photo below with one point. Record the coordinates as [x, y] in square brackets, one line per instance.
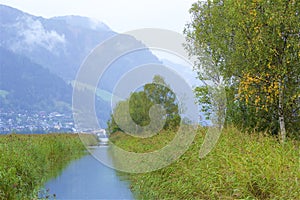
[59, 44]
[40, 59]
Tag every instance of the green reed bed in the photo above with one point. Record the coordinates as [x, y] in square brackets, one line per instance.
[241, 166]
[28, 161]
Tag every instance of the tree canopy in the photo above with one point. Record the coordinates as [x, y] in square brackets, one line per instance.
[155, 107]
[254, 46]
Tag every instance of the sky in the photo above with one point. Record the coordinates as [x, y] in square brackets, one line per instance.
[119, 15]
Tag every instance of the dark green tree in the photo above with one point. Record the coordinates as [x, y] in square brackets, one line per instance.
[138, 108]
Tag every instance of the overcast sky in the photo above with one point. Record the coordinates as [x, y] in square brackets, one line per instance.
[119, 15]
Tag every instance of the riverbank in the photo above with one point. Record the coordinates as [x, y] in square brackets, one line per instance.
[241, 166]
[28, 161]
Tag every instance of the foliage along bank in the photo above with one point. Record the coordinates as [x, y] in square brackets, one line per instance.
[28, 161]
[251, 49]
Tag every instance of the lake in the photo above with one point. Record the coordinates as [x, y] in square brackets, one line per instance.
[88, 178]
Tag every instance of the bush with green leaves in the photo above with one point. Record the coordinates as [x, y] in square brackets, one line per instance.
[134, 113]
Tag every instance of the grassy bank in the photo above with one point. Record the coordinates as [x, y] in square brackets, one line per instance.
[242, 166]
[28, 161]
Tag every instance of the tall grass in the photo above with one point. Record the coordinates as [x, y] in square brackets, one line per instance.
[241, 166]
[28, 161]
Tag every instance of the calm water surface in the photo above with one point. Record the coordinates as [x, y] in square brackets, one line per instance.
[87, 178]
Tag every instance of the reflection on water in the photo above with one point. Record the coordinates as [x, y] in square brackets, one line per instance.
[87, 178]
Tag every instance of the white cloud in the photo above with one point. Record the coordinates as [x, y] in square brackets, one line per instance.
[32, 33]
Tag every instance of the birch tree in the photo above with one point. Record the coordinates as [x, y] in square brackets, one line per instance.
[257, 45]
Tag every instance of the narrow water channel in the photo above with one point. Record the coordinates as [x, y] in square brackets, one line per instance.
[87, 178]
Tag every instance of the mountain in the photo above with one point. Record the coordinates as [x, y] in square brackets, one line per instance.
[59, 44]
[35, 50]
[184, 71]
[32, 99]
[41, 57]
[62, 43]
[28, 86]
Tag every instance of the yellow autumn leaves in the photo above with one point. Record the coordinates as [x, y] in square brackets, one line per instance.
[259, 90]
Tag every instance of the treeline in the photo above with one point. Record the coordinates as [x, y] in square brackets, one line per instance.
[251, 50]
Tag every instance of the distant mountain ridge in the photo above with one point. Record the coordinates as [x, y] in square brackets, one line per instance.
[62, 43]
[43, 56]
[59, 44]
[83, 22]
[40, 59]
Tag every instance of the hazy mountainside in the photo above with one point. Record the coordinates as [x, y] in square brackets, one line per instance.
[62, 43]
[184, 71]
[41, 57]
[30, 45]
[59, 43]
[28, 86]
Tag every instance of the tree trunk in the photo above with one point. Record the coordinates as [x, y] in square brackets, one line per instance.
[281, 112]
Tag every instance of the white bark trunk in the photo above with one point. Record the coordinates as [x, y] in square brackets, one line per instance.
[281, 113]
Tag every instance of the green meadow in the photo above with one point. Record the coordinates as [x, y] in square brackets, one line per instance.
[241, 166]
